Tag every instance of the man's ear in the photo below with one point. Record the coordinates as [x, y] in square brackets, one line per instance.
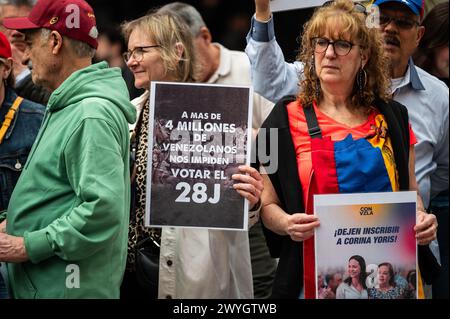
[7, 68]
[420, 33]
[55, 42]
[205, 35]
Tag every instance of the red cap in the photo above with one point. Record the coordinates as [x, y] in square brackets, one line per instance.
[72, 18]
[5, 47]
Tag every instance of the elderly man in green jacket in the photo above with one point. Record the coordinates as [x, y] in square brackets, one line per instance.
[67, 221]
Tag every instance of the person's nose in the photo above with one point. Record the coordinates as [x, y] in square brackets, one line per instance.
[131, 63]
[390, 27]
[17, 35]
[26, 57]
[330, 53]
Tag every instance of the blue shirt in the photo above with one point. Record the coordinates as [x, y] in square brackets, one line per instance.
[425, 97]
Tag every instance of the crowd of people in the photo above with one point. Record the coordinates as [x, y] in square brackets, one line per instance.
[363, 109]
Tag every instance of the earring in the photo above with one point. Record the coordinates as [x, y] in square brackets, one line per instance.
[361, 82]
[318, 90]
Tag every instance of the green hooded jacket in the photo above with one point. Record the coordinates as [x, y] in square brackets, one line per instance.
[71, 203]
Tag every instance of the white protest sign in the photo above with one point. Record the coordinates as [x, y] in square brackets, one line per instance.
[284, 5]
[198, 137]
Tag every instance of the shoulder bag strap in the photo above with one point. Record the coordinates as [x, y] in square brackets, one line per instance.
[313, 125]
[9, 117]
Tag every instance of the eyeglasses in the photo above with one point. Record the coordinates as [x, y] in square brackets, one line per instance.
[405, 24]
[359, 7]
[138, 53]
[340, 47]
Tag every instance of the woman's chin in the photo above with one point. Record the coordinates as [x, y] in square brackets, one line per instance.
[142, 85]
[332, 80]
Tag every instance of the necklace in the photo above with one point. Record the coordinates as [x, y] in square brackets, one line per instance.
[384, 289]
[9, 117]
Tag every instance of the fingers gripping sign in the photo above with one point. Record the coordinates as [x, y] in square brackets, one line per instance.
[249, 184]
[426, 228]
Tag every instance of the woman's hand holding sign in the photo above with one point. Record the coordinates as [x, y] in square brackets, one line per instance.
[250, 184]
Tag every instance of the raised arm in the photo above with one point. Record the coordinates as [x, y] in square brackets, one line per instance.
[262, 10]
[272, 77]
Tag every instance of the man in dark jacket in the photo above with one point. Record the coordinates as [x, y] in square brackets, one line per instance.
[24, 86]
[20, 122]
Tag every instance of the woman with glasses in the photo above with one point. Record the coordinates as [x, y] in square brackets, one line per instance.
[341, 134]
[202, 262]
[387, 287]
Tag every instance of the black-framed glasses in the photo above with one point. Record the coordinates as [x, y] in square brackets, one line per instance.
[359, 7]
[340, 47]
[137, 53]
[405, 24]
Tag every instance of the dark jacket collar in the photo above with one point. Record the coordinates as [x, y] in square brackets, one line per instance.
[10, 97]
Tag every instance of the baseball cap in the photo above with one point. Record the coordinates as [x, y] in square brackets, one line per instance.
[72, 18]
[416, 6]
[5, 47]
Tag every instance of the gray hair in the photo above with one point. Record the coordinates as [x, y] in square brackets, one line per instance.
[19, 3]
[82, 50]
[188, 13]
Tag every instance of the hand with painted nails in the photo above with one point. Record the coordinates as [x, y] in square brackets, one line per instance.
[249, 184]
